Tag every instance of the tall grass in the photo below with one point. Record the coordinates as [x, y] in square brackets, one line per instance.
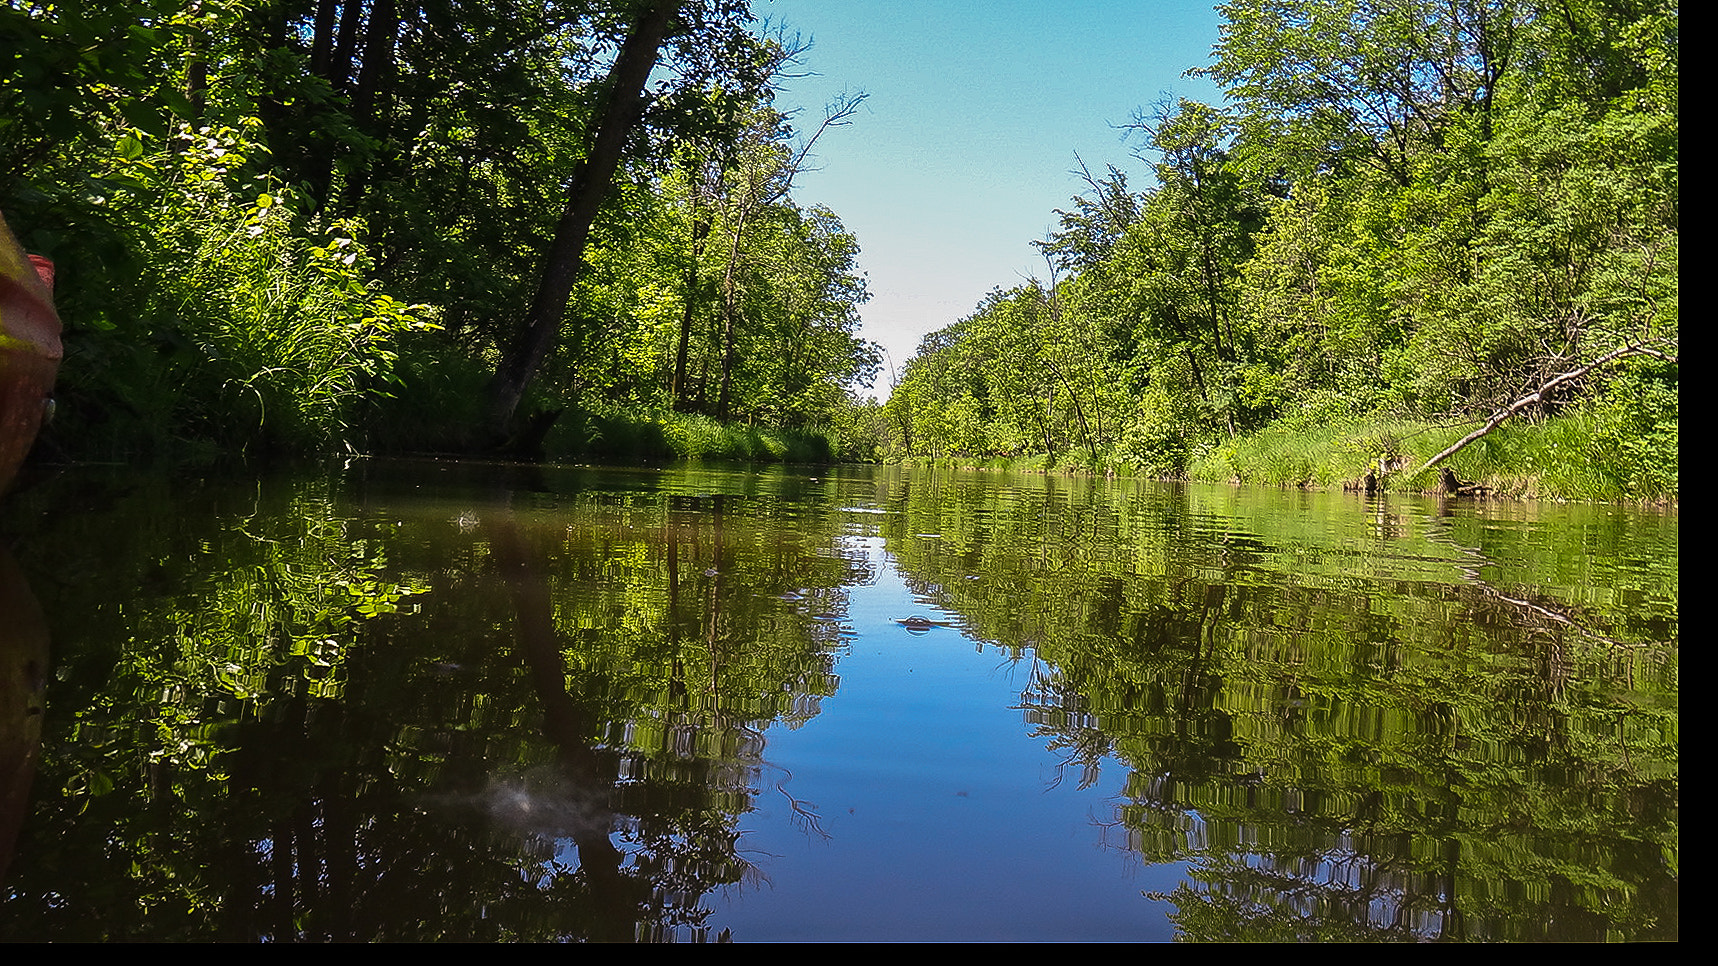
[292, 338]
[229, 325]
[653, 436]
[1572, 456]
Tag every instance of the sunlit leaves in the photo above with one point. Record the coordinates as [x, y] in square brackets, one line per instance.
[288, 330]
[706, 243]
[1413, 210]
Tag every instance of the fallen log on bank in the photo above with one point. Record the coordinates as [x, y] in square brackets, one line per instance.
[1497, 419]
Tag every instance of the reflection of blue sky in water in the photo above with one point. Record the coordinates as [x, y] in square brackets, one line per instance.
[941, 819]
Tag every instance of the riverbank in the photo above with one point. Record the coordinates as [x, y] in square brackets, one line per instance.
[1587, 455]
[1580, 457]
[650, 437]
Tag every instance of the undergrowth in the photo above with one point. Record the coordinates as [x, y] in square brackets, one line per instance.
[652, 436]
[1578, 455]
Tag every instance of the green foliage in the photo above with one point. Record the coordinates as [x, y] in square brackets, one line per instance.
[1610, 449]
[271, 333]
[632, 436]
[863, 432]
[759, 296]
[1155, 450]
[1312, 453]
[1414, 213]
[1637, 436]
[74, 66]
[250, 201]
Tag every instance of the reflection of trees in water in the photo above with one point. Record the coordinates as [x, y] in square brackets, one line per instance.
[1345, 745]
[558, 745]
[1342, 894]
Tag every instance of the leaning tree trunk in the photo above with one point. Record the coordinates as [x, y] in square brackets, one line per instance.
[1538, 395]
[590, 185]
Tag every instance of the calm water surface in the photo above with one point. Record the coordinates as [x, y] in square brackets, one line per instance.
[417, 700]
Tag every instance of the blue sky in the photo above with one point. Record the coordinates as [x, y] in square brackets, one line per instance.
[966, 144]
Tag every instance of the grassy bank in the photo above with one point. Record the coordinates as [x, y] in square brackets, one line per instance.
[1579, 456]
[649, 437]
[1583, 455]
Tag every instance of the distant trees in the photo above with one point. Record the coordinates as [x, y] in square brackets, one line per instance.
[1412, 210]
[752, 308]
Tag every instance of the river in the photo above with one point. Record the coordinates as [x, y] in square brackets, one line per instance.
[421, 700]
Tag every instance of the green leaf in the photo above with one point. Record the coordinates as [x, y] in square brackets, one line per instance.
[144, 116]
[174, 100]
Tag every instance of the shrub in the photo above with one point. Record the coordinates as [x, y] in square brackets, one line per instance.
[269, 336]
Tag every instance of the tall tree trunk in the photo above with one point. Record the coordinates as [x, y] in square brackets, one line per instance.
[758, 195]
[346, 47]
[730, 311]
[369, 111]
[380, 35]
[590, 185]
[677, 387]
[322, 37]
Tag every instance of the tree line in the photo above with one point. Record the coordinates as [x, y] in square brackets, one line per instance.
[1414, 215]
[295, 225]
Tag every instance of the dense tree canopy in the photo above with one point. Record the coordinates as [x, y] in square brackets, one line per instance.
[230, 186]
[1435, 212]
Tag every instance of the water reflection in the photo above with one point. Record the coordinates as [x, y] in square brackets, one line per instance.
[431, 700]
[1352, 735]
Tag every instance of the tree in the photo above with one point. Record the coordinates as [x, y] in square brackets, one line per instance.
[1089, 232]
[1173, 276]
[70, 68]
[622, 110]
[764, 170]
[1372, 82]
[470, 147]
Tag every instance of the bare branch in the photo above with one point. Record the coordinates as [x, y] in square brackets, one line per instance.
[839, 113]
[1497, 419]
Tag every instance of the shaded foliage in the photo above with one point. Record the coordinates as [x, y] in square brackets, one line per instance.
[440, 140]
